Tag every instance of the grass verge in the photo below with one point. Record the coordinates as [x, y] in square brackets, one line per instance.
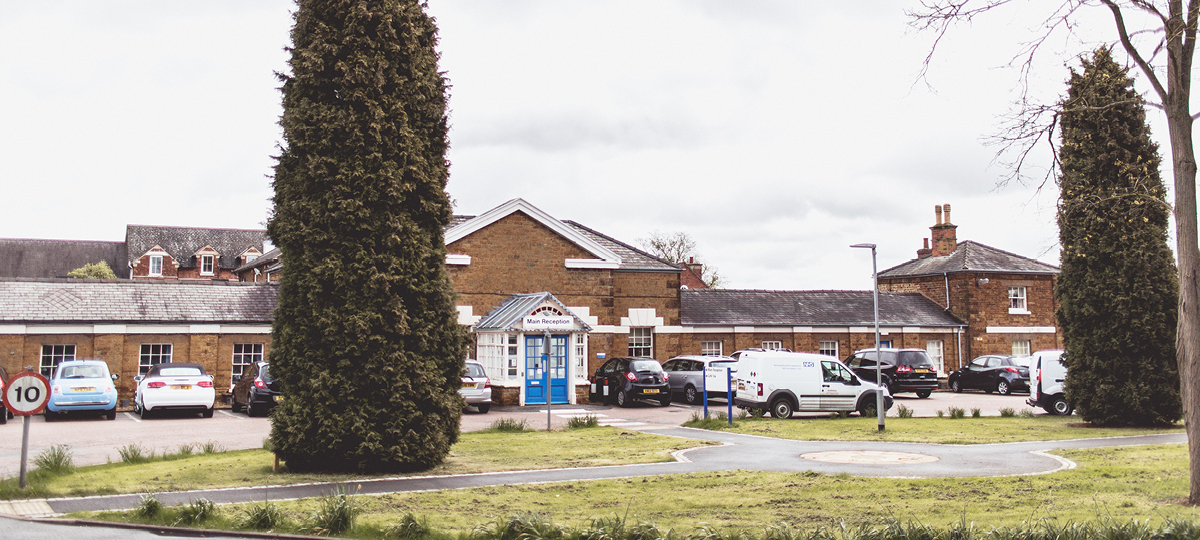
[478, 451]
[1123, 488]
[951, 429]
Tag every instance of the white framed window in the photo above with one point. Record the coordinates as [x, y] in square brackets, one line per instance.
[580, 355]
[151, 354]
[936, 353]
[513, 352]
[156, 265]
[52, 355]
[772, 345]
[490, 352]
[246, 354]
[828, 348]
[641, 342]
[207, 264]
[1021, 347]
[1017, 303]
[711, 348]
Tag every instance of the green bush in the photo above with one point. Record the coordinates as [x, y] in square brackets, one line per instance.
[198, 511]
[56, 460]
[583, 422]
[149, 507]
[261, 517]
[335, 514]
[903, 411]
[1008, 412]
[509, 425]
[409, 528]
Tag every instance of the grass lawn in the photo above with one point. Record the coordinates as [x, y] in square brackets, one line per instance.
[1117, 485]
[478, 451]
[987, 429]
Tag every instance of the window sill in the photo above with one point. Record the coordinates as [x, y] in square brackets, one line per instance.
[1012, 311]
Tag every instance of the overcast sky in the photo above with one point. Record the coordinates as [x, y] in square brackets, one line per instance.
[775, 133]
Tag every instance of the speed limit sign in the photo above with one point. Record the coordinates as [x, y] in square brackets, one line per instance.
[26, 394]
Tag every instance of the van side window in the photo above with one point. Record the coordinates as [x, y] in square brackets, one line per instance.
[834, 372]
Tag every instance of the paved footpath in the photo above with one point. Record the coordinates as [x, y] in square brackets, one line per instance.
[737, 452]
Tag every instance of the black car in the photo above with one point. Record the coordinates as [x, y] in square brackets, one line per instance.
[902, 370]
[256, 391]
[4, 414]
[621, 380]
[993, 373]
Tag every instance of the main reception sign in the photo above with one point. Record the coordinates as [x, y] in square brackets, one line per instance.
[548, 322]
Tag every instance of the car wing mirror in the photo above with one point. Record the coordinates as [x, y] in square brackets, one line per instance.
[116, 376]
[139, 378]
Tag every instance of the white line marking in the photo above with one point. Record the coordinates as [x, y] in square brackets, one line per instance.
[231, 415]
[132, 417]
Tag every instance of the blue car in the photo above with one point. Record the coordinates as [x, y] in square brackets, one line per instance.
[82, 385]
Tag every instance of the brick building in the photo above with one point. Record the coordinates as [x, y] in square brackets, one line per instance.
[1006, 300]
[525, 279]
[132, 324]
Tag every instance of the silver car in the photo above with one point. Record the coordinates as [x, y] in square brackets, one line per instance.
[687, 376]
[476, 386]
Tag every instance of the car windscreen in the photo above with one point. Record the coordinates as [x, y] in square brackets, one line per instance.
[475, 371]
[81, 372]
[265, 373]
[180, 372]
[645, 365]
[915, 359]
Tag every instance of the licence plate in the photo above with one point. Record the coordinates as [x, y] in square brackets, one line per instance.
[84, 389]
[278, 399]
[920, 370]
[468, 385]
[181, 387]
[650, 391]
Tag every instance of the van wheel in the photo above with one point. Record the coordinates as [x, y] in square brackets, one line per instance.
[866, 407]
[781, 408]
[690, 396]
[1002, 388]
[622, 398]
[924, 393]
[1059, 406]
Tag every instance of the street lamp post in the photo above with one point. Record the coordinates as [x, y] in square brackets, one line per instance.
[875, 294]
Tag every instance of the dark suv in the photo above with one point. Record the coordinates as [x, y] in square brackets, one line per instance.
[255, 390]
[621, 380]
[903, 370]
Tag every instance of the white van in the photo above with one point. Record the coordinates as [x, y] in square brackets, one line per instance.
[782, 382]
[1046, 375]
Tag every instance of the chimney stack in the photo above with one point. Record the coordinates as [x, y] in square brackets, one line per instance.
[945, 237]
[924, 252]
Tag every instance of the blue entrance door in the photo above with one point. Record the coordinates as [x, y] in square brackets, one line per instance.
[536, 380]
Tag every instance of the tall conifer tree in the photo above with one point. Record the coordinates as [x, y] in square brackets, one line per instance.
[365, 337]
[1118, 289]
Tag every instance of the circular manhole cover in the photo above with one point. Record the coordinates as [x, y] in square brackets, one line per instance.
[870, 457]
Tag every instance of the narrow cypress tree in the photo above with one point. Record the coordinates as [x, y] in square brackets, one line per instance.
[365, 337]
[1118, 289]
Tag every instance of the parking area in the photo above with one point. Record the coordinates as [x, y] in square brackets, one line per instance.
[94, 440]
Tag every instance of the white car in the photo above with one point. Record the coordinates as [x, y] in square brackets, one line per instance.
[174, 386]
[476, 386]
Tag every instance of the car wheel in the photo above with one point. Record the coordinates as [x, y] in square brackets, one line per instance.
[666, 400]
[1060, 407]
[690, 395]
[111, 414]
[235, 406]
[924, 393]
[1002, 388]
[781, 408]
[208, 413]
[251, 410]
[50, 416]
[622, 398]
[3, 416]
[956, 386]
[484, 408]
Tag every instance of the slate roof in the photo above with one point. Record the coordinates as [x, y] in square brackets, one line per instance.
[970, 256]
[514, 309]
[93, 301]
[730, 307]
[183, 242]
[32, 258]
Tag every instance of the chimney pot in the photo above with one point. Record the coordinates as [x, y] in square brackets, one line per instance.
[937, 210]
[946, 212]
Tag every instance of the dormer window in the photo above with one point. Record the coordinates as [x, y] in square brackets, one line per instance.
[207, 263]
[156, 265]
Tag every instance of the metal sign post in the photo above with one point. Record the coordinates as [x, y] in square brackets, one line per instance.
[729, 392]
[704, 391]
[26, 395]
[546, 371]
